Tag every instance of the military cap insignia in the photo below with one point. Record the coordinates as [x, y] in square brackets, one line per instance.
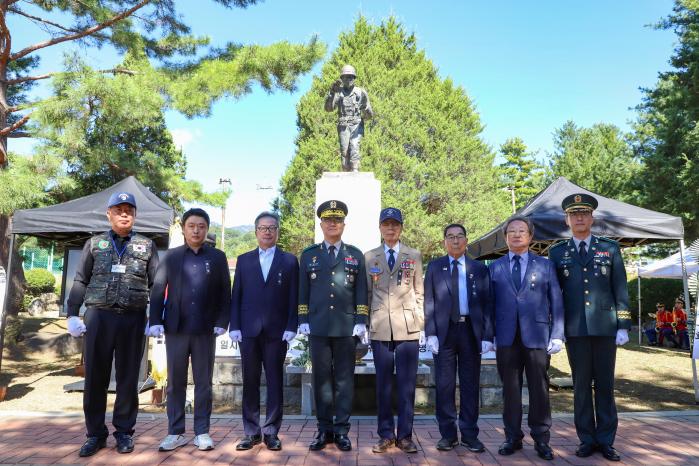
[578, 198]
[333, 204]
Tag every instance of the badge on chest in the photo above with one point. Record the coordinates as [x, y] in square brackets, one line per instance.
[118, 268]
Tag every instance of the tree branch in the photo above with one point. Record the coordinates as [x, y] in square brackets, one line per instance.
[19, 134]
[11, 82]
[17, 124]
[41, 20]
[78, 35]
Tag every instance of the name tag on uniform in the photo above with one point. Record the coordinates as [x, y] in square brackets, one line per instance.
[118, 268]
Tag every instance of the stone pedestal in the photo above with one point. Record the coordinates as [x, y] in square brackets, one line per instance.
[362, 194]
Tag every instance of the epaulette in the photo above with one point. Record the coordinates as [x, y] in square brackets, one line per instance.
[354, 248]
[560, 243]
[608, 240]
[311, 247]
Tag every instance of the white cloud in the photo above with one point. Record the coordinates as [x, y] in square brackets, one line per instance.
[183, 136]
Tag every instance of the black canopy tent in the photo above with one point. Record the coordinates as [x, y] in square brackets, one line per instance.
[625, 223]
[74, 221]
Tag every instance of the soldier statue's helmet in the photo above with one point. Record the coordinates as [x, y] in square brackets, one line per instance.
[391, 213]
[121, 198]
[348, 70]
[580, 202]
[332, 208]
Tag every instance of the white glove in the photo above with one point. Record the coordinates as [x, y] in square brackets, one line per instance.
[156, 331]
[433, 344]
[218, 331]
[76, 326]
[360, 331]
[622, 337]
[235, 335]
[486, 347]
[555, 346]
[304, 329]
[288, 336]
[421, 340]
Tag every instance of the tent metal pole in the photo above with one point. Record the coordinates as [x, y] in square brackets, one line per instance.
[691, 318]
[3, 311]
[638, 279]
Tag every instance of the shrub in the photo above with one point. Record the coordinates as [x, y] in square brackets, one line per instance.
[39, 281]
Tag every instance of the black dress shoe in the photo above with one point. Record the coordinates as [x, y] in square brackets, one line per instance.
[446, 444]
[92, 445]
[382, 445]
[543, 450]
[343, 442]
[609, 452]
[407, 445]
[320, 440]
[249, 441]
[473, 444]
[272, 442]
[124, 443]
[584, 450]
[509, 446]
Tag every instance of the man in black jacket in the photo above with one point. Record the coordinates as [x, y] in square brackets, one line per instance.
[189, 303]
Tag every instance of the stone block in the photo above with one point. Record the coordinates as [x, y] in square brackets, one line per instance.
[491, 396]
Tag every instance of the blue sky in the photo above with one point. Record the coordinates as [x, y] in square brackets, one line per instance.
[527, 66]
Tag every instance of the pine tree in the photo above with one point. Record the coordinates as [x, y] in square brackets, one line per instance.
[520, 172]
[423, 143]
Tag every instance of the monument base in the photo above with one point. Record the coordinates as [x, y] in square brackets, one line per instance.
[361, 191]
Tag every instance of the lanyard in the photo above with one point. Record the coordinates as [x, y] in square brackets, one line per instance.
[119, 253]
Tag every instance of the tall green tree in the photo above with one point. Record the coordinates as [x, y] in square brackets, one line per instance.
[666, 131]
[153, 26]
[598, 158]
[423, 143]
[521, 173]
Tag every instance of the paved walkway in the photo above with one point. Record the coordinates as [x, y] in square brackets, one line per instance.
[643, 438]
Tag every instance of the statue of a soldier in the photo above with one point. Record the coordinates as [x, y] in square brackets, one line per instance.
[353, 108]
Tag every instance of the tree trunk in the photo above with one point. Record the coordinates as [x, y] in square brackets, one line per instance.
[16, 282]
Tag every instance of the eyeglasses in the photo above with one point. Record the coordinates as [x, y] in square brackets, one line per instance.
[454, 237]
[267, 229]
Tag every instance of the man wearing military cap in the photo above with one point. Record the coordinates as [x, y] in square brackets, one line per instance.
[112, 279]
[593, 280]
[332, 310]
[394, 279]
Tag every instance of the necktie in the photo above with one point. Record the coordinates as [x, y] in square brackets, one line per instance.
[583, 251]
[455, 312]
[517, 272]
[331, 253]
[391, 259]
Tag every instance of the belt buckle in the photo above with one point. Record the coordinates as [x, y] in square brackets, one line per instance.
[462, 318]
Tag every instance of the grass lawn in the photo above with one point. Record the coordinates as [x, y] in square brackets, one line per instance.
[647, 378]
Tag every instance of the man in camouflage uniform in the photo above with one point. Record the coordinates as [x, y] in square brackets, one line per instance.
[592, 277]
[115, 271]
[353, 108]
[333, 310]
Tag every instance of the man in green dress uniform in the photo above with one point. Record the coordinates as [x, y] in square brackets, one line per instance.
[597, 319]
[332, 310]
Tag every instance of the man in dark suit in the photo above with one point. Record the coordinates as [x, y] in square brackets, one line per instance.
[197, 282]
[459, 328]
[264, 320]
[597, 319]
[528, 308]
[333, 310]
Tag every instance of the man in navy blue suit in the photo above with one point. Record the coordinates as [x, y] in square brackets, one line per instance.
[528, 307]
[458, 324]
[264, 318]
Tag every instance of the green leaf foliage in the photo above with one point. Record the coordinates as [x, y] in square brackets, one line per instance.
[521, 171]
[598, 158]
[39, 281]
[666, 132]
[25, 184]
[423, 143]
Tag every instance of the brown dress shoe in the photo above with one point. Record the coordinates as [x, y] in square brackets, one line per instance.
[382, 445]
[407, 445]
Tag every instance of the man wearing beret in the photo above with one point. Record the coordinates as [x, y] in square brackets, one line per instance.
[394, 279]
[592, 277]
[332, 310]
[197, 282]
[112, 279]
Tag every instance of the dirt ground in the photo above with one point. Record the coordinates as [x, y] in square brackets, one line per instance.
[647, 378]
